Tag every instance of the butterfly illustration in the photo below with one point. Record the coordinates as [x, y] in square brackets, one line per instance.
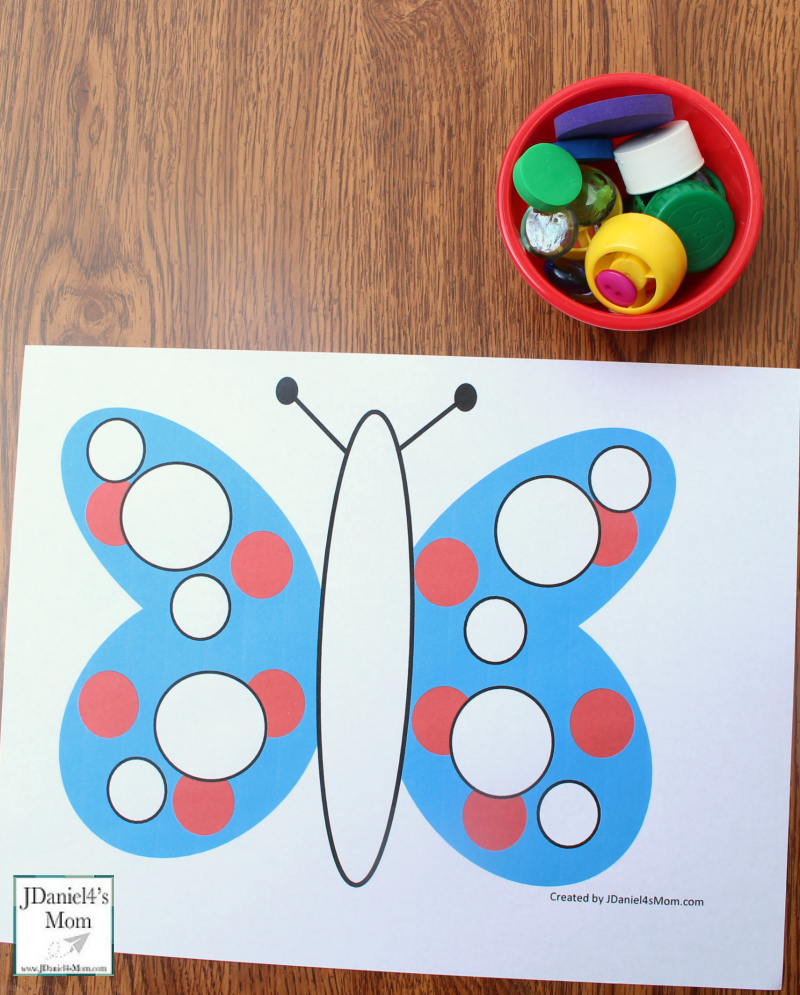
[458, 665]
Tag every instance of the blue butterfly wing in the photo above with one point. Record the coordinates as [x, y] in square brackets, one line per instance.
[600, 748]
[269, 636]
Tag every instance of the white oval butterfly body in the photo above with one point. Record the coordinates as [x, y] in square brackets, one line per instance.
[365, 647]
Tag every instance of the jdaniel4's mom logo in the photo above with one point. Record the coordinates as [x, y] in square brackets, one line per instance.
[63, 925]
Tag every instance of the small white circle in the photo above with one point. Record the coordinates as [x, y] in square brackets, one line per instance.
[495, 630]
[200, 606]
[620, 479]
[547, 531]
[210, 726]
[137, 789]
[176, 516]
[502, 742]
[115, 450]
[568, 814]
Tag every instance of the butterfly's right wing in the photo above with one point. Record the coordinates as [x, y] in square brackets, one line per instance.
[528, 752]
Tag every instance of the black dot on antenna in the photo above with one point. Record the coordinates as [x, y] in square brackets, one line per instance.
[287, 391]
[465, 397]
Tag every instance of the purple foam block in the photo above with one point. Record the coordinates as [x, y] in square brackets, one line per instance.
[615, 117]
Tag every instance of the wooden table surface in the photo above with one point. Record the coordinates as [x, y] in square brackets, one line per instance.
[320, 175]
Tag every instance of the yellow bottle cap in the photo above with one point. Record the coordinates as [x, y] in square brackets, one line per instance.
[639, 261]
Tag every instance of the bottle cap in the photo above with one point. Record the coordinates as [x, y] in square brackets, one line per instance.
[547, 177]
[659, 158]
[585, 235]
[645, 251]
[588, 149]
[700, 218]
[615, 117]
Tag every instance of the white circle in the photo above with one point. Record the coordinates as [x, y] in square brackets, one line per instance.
[495, 630]
[620, 479]
[547, 531]
[176, 516]
[502, 742]
[200, 606]
[210, 726]
[568, 814]
[136, 789]
[116, 450]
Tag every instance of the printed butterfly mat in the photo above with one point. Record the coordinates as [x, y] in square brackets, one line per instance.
[427, 647]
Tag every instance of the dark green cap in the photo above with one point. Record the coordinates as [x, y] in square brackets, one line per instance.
[699, 217]
[547, 177]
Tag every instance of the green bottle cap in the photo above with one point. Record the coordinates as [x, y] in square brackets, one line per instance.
[547, 177]
[699, 217]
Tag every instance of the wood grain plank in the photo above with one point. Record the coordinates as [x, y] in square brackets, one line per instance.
[297, 175]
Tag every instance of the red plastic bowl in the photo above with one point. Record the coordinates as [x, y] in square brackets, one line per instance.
[726, 153]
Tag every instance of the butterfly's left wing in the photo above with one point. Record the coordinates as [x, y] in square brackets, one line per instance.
[197, 716]
[527, 750]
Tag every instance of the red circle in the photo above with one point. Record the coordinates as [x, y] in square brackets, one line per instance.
[602, 723]
[618, 536]
[494, 823]
[103, 513]
[203, 807]
[261, 565]
[433, 718]
[108, 704]
[283, 700]
[446, 572]
[725, 152]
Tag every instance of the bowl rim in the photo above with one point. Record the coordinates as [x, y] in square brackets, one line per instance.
[611, 320]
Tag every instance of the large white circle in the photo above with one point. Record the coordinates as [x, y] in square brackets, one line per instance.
[200, 606]
[547, 531]
[115, 450]
[620, 479]
[176, 516]
[502, 742]
[210, 726]
[137, 789]
[568, 814]
[495, 630]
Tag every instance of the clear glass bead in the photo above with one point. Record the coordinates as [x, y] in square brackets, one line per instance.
[597, 197]
[549, 235]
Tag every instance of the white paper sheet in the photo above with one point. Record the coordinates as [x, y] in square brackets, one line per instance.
[693, 650]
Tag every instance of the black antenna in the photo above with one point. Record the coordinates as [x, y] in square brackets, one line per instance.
[287, 391]
[465, 399]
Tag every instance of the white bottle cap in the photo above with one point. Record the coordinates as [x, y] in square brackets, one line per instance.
[655, 159]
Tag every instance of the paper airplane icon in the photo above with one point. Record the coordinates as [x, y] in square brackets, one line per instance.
[77, 942]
